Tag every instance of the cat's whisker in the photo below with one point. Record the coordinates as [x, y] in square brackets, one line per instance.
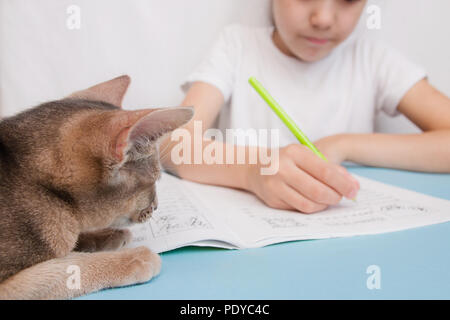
[164, 151]
[164, 147]
[164, 157]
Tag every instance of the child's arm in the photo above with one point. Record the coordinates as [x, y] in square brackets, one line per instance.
[207, 101]
[428, 151]
[303, 181]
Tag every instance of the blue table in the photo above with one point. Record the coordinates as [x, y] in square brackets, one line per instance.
[413, 264]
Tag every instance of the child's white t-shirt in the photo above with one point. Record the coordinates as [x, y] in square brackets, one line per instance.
[339, 94]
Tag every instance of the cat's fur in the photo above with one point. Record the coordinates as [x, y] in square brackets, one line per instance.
[71, 170]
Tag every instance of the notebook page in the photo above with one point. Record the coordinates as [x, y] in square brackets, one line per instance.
[192, 213]
[181, 219]
[379, 208]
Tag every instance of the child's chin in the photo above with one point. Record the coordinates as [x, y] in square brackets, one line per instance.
[313, 55]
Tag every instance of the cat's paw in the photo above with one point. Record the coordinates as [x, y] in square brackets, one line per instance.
[142, 264]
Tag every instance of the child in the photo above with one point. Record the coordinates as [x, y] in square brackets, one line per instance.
[332, 84]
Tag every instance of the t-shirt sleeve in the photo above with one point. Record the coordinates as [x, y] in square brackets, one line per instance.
[395, 75]
[218, 68]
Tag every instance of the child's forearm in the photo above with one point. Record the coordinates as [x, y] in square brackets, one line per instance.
[428, 151]
[232, 175]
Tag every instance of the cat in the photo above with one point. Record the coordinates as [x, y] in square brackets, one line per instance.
[71, 172]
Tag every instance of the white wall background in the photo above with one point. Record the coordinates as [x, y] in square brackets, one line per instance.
[421, 30]
[158, 42]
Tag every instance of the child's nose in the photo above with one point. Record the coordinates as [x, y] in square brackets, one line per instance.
[323, 15]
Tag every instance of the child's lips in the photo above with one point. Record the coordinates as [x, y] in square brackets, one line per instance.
[317, 41]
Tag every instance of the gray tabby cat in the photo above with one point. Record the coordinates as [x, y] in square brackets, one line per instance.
[70, 171]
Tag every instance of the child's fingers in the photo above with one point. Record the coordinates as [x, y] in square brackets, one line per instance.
[347, 174]
[326, 172]
[311, 188]
[298, 202]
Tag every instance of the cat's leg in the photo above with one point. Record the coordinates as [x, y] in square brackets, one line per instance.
[101, 240]
[80, 273]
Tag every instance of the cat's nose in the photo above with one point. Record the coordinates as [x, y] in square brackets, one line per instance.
[147, 212]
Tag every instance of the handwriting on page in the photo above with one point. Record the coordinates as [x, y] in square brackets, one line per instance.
[371, 206]
[190, 213]
[388, 205]
[274, 219]
[176, 213]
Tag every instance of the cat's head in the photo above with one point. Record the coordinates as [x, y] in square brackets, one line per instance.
[101, 160]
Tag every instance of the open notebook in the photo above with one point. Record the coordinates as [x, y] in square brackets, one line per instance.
[194, 214]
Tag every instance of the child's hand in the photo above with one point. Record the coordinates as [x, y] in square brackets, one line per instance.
[333, 148]
[303, 182]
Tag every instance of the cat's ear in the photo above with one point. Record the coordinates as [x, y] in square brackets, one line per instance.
[111, 91]
[146, 125]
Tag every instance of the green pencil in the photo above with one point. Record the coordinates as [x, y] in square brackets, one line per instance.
[287, 120]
